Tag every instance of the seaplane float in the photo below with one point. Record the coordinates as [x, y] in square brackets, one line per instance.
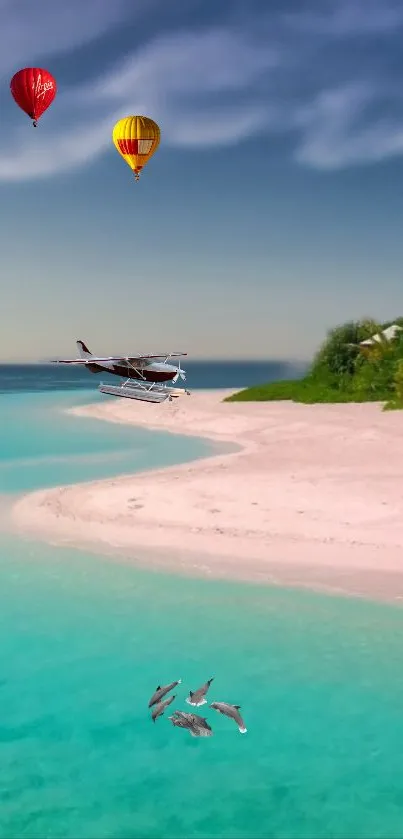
[147, 378]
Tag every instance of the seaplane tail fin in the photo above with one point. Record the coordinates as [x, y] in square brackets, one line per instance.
[83, 350]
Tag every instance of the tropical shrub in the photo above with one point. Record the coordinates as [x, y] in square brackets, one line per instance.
[342, 371]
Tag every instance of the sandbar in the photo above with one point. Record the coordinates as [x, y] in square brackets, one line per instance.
[311, 496]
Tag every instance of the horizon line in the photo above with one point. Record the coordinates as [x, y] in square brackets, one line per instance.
[199, 359]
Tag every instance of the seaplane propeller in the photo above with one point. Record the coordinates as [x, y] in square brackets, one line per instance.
[181, 373]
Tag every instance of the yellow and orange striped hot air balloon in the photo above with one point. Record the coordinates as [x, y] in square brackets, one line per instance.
[136, 139]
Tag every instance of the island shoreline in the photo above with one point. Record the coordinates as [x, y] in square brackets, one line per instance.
[274, 520]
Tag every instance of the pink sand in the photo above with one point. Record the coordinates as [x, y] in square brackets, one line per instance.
[313, 497]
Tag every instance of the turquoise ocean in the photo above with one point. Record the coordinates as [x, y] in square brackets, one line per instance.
[86, 639]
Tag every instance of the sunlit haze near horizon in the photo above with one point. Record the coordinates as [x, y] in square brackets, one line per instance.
[271, 211]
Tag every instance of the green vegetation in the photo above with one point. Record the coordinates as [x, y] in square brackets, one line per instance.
[343, 372]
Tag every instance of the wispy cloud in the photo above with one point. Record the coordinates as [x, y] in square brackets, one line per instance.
[337, 131]
[320, 75]
[348, 19]
[31, 30]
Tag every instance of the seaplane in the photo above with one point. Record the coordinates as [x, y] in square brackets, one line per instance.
[147, 378]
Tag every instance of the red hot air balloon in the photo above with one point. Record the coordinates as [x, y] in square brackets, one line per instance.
[34, 90]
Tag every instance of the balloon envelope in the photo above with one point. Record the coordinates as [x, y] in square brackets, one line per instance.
[33, 89]
[136, 139]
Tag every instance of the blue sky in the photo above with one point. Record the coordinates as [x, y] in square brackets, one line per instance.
[272, 210]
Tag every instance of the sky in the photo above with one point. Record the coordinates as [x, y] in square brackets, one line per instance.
[271, 212]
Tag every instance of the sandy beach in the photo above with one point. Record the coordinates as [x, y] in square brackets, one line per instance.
[312, 496]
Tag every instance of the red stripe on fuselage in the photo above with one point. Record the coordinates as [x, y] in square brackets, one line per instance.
[126, 373]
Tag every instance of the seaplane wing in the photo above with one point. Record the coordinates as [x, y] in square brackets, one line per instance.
[134, 358]
[119, 359]
[90, 360]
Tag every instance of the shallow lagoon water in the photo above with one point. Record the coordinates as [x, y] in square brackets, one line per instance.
[85, 641]
[42, 445]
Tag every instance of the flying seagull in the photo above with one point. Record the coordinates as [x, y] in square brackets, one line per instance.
[231, 711]
[197, 697]
[159, 707]
[160, 692]
[197, 726]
